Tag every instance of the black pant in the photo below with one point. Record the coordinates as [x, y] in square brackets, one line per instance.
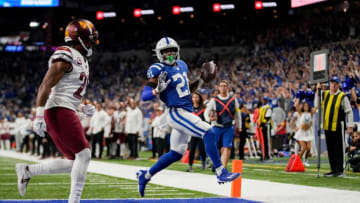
[193, 143]
[133, 141]
[108, 145]
[266, 149]
[243, 136]
[48, 146]
[12, 141]
[153, 144]
[25, 143]
[36, 143]
[160, 145]
[97, 138]
[336, 150]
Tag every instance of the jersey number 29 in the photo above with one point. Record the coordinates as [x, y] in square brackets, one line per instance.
[85, 81]
[183, 82]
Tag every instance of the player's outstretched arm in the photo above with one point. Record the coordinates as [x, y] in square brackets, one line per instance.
[148, 91]
[52, 77]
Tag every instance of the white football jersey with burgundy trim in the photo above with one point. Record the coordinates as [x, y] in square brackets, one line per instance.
[69, 91]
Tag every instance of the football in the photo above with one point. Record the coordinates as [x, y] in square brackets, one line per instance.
[208, 71]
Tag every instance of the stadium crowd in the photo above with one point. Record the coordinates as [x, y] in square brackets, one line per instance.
[270, 66]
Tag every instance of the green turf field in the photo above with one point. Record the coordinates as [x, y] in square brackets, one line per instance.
[96, 187]
[101, 186]
[275, 171]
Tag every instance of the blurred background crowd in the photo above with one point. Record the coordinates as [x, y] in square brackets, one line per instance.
[265, 62]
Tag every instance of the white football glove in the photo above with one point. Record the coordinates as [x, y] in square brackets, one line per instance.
[39, 125]
[87, 109]
[162, 84]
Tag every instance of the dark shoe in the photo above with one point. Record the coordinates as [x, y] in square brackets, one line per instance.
[330, 174]
[189, 169]
[339, 174]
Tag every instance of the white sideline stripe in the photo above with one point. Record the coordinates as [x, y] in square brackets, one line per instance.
[262, 170]
[315, 174]
[160, 194]
[53, 183]
[12, 174]
[156, 190]
[257, 190]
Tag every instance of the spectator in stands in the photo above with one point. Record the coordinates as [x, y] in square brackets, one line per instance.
[196, 142]
[304, 133]
[160, 131]
[133, 127]
[119, 118]
[108, 131]
[245, 125]
[97, 127]
[4, 134]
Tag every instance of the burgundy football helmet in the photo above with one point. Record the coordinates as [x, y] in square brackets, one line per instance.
[83, 32]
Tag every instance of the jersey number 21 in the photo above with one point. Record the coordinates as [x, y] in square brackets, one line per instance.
[183, 82]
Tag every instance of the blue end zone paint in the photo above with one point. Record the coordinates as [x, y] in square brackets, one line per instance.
[202, 200]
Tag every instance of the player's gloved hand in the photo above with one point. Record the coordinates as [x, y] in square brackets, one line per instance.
[39, 125]
[162, 83]
[87, 109]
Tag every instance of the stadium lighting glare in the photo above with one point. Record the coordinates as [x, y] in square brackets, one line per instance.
[186, 9]
[216, 7]
[269, 4]
[147, 12]
[111, 14]
[176, 10]
[34, 24]
[137, 13]
[99, 15]
[258, 5]
[227, 6]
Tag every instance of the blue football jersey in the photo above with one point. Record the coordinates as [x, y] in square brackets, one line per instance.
[177, 94]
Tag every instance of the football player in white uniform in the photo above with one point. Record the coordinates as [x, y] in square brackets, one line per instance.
[59, 97]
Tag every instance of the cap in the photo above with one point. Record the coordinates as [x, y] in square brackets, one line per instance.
[203, 91]
[335, 78]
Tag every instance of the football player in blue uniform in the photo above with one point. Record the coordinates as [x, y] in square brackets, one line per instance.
[169, 79]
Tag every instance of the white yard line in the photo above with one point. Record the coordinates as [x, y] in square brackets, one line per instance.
[251, 189]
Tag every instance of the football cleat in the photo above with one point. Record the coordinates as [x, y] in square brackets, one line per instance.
[226, 176]
[23, 178]
[142, 181]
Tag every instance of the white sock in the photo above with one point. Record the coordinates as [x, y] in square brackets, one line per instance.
[78, 174]
[218, 170]
[50, 167]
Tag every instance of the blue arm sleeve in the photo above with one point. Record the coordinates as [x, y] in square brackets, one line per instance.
[146, 94]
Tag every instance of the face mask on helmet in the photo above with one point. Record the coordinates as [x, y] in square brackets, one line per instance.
[167, 50]
[90, 45]
[169, 55]
[83, 32]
